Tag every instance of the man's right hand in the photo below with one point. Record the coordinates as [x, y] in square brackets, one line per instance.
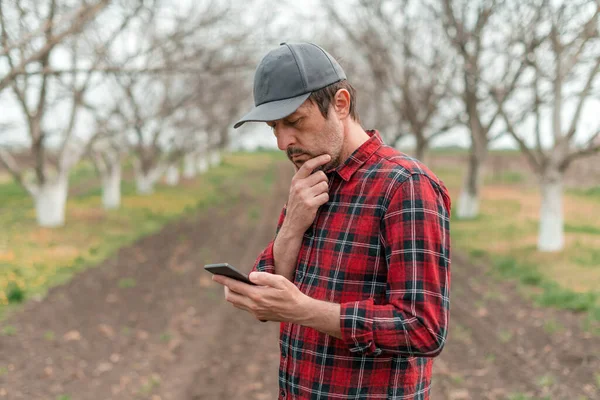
[308, 192]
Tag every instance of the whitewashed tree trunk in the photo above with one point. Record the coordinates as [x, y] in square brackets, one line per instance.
[51, 200]
[468, 202]
[202, 164]
[145, 180]
[189, 166]
[144, 184]
[172, 177]
[215, 158]
[111, 187]
[468, 205]
[551, 234]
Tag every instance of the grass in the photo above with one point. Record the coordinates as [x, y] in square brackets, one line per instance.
[9, 330]
[552, 326]
[150, 385]
[593, 192]
[126, 283]
[165, 337]
[505, 178]
[33, 259]
[505, 336]
[520, 396]
[505, 236]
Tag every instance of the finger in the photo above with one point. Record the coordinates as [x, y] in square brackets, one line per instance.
[267, 279]
[320, 188]
[309, 166]
[238, 299]
[226, 290]
[315, 178]
[234, 285]
[320, 199]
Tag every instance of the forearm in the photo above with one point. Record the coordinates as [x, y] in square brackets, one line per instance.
[285, 252]
[322, 316]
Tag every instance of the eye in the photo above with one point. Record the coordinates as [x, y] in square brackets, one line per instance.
[295, 122]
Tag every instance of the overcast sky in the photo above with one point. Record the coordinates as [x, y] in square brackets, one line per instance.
[252, 135]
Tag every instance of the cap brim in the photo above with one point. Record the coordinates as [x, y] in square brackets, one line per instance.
[273, 110]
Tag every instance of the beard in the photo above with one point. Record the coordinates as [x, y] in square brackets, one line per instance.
[295, 151]
[332, 138]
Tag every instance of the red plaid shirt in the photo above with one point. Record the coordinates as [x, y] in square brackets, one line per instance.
[381, 248]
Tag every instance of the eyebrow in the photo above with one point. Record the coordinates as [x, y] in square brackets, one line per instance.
[292, 117]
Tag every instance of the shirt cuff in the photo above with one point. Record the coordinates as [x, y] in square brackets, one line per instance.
[356, 323]
[265, 261]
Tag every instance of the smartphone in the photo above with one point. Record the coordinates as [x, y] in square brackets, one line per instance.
[229, 271]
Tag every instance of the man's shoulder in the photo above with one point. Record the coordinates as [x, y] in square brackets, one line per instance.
[400, 166]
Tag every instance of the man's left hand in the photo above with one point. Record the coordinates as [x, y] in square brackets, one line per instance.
[274, 299]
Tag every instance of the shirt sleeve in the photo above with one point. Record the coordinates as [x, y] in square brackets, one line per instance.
[415, 233]
[266, 261]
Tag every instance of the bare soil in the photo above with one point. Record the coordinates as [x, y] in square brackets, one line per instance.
[149, 323]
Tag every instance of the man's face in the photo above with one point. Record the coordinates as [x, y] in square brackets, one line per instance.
[306, 134]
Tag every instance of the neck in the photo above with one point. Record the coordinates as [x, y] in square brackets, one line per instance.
[355, 136]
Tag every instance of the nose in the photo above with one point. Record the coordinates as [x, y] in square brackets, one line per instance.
[285, 137]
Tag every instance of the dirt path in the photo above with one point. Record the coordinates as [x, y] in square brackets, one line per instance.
[150, 324]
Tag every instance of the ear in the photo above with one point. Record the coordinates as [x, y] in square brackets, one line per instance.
[341, 103]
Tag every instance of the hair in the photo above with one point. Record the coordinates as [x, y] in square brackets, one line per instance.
[323, 98]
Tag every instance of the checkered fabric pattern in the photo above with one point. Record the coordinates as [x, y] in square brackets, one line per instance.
[381, 248]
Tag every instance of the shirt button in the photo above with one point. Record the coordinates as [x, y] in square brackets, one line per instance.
[284, 352]
[282, 393]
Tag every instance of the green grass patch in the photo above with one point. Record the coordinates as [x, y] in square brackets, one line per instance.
[552, 326]
[165, 337]
[505, 178]
[33, 259]
[584, 229]
[520, 396]
[125, 283]
[9, 330]
[593, 192]
[551, 294]
[555, 296]
[591, 259]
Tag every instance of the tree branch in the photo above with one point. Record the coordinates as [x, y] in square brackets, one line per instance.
[582, 98]
[11, 165]
[85, 14]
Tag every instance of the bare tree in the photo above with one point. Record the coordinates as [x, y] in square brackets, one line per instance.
[569, 57]
[408, 63]
[473, 29]
[53, 28]
[37, 96]
[107, 149]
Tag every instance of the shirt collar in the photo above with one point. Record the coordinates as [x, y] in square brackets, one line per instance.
[360, 155]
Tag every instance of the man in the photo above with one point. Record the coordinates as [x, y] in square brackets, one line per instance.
[359, 271]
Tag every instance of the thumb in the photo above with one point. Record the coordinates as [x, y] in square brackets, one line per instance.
[265, 279]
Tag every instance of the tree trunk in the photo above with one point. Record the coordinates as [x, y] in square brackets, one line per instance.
[144, 184]
[468, 202]
[51, 200]
[189, 166]
[551, 234]
[420, 148]
[202, 163]
[111, 187]
[145, 179]
[215, 158]
[172, 175]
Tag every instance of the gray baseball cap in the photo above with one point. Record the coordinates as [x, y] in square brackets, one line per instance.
[287, 76]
